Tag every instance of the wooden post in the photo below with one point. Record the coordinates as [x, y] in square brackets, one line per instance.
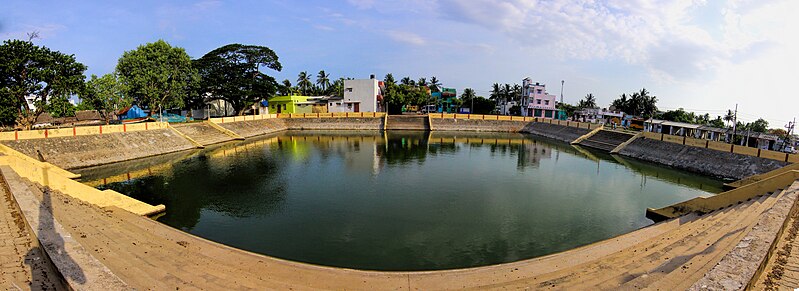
[45, 133]
[74, 131]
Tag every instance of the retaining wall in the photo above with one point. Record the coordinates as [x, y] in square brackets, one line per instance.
[255, 127]
[453, 124]
[554, 131]
[350, 123]
[700, 160]
[91, 150]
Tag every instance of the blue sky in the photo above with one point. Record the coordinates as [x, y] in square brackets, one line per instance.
[704, 56]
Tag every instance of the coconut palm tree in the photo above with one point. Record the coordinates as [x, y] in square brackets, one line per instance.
[729, 117]
[286, 89]
[303, 82]
[588, 102]
[434, 84]
[496, 92]
[422, 82]
[406, 81]
[323, 80]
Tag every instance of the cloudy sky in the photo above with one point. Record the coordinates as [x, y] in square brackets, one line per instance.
[704, 56]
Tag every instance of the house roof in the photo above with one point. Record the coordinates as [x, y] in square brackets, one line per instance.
[88, 115]
[681, 124]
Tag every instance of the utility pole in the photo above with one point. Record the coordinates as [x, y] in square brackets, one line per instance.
[734, 123]
[788, 133]
[561, 90]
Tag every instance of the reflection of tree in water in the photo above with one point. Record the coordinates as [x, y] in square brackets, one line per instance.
[242, 185]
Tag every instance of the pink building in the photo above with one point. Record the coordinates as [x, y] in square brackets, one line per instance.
[538, 102]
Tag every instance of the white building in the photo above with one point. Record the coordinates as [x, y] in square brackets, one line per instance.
[363, 95]
[535, 100]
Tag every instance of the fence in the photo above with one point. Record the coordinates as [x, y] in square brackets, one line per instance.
[80, 130]
[720, 146]
[517, 118]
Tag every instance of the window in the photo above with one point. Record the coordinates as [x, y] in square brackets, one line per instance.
[538, 91]
[349, 89]
[284, 106]
[538, 101]
[546, 102]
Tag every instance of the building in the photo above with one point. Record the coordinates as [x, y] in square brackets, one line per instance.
[538, 103]
[599, 115]
[446, 100]
[298, 104]
[363, 95]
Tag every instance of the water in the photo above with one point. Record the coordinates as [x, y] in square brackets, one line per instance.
[401, 201]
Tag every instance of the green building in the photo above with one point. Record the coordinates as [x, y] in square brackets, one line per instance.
[297, 104]
[446, 100]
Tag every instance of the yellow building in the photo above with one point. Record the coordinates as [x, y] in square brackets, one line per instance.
[297, 104]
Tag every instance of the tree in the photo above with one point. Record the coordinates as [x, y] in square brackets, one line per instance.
[422, 82]
[233, 73]
[639, 103]
[157, 75]
[31, 71]
[729, 117]
[759, 125]
[323, 80]
[389, 79]
[434, 84]
[286, 88]
[59, 106]
[496, 92]
[588, 102]
[303, 82]
[104, 94]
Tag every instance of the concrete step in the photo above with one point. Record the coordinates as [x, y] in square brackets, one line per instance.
[202, 133]
[408, 122]
[606, 140]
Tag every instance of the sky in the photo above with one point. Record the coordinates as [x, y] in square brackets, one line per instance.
[704, 56]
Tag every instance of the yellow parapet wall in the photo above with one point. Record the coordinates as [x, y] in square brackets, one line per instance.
[50, 176]
[725, 147]
[80, 130]
[726, 199]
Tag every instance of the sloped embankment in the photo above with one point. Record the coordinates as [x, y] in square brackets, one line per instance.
[255, 127]
[203, 133]
[554, 131]
[91, 150]
[699, 160]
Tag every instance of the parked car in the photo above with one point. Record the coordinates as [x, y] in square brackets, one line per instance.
[789, 149]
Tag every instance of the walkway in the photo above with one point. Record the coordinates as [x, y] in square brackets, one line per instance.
[21, 261]
[670, 255]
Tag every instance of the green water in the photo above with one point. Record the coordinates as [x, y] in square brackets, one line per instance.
[401, 201]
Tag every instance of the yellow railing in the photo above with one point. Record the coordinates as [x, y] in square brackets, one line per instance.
[720, 146]
[80, 130]
[726, 199]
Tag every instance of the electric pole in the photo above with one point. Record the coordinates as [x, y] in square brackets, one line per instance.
[561, 90]
[734, 123]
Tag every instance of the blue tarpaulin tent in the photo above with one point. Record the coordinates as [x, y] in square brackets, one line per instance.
[131, 112]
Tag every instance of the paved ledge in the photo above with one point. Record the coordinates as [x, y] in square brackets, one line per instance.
[77, 266]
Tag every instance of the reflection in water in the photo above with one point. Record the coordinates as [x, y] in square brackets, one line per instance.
[401, 200]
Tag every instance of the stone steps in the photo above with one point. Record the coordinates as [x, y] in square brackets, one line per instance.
[408, 122]
[606, 140]
[202, 133]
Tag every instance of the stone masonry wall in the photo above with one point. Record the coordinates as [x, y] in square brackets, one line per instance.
[255, 127]
[699, 160]
[350, 123]
[91, 150]
[452, 124]
[554, 131]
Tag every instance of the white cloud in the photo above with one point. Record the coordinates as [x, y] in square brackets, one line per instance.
[407, 37]
[362, 4]
[659, 35]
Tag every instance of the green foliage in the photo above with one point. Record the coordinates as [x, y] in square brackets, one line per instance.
[483, 105]
[157, 75]
[588, 102]
[59, 106]
[304, 83]
[759, 125]
[104, 94]
[570, 109]
[639, 103]
[30, 70]
[233, 73]
[323, 80]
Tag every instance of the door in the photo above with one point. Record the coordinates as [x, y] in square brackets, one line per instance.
[357, 107]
